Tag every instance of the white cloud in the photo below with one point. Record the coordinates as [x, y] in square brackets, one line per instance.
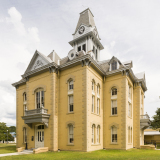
[16, 19]
[18, 44]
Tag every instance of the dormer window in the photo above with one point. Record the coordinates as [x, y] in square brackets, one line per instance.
[114, 65]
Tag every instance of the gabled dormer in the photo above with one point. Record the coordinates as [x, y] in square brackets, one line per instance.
[114, 64]
[86, 36]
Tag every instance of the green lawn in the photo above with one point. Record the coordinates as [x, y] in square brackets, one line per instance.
[132, 154]
[7, 148]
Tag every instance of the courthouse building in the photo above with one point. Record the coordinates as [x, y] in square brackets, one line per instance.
[78, 102]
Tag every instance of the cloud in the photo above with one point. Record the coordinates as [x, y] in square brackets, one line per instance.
[15, 18]
[18, 44]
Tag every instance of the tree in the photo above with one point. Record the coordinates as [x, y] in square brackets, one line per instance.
[155, 123]
[3, 130]
[12, 129]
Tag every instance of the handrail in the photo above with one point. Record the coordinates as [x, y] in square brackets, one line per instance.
[146, 116]
[36, 111]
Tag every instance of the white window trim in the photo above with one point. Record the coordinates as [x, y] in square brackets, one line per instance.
[111, 108]
[93, 105]
[93, 133]
[98, 106]
[111, 135]
[39, 90]
[69, 135]
[69, 104]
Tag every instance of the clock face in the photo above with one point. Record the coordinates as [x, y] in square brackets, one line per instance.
[81, 30]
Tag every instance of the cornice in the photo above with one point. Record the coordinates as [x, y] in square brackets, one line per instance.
[85, 35]
[80, 60]
[40, 69]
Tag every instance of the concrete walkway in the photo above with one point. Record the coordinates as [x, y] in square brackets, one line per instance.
[17, 153]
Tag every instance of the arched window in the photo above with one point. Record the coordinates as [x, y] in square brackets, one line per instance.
[98, 89]
[71, 140]
[39, 98]
[70, 84]
[24, 97]
[93, 83]
[98, 134]
[114, 134]
[93, 133]
[128, 134]
[114, 91]
[131, 134]
[98, 104]
[93, 99]
[24, 103]
[114, 65]
[24, 135]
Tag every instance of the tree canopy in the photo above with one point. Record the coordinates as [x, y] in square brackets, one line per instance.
[3, 132]
[155, 123]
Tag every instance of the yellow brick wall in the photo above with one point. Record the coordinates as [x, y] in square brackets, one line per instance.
[56, 101]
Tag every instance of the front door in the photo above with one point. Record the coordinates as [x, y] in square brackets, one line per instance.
[39, 136]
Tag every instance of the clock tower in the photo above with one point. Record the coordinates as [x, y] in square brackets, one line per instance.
[86, 36]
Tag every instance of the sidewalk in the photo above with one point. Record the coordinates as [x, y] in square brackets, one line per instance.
[17, 153]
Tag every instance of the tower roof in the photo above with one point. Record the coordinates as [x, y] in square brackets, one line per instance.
[86, 17]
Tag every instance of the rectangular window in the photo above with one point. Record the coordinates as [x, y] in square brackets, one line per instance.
[98, 134]
[71, 103]
[93, 49]
[92, 104]
[24, 135]
[129, 92]
[42, 99]
[38, 99]
[93, 128]
[79, 48]
[114, 134]
[92, 86]
[96, 54]
[128, 134]
[98, 104]
[114, 107]
[84, 47]
[71, 134]
[129, 110]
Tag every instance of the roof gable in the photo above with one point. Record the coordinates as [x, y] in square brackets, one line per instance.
[38, 60]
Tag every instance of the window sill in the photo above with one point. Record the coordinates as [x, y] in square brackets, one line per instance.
[70, 92]
[129, 143]
[70, 113]
[113, 97]
[96, 114]
[93, 93]
[129, 117]
[129, 100]
[98, 144]
[114, 143]
[69, 144]
[116, 115]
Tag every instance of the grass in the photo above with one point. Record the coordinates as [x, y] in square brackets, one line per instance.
[7, 148]
[132, 154]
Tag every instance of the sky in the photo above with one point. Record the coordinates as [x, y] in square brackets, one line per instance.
[129, 30]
